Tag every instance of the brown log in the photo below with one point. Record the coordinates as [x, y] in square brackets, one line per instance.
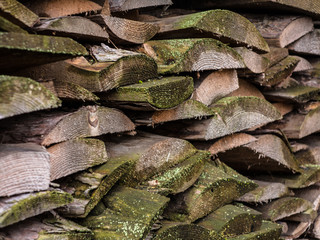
[311, 153]
[308, 44]
[254, 62]
[246, 89]
[296, 230]
[303, 65]
[121, 6]
[276, 55]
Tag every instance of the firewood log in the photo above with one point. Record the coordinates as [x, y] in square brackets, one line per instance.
[255, 63]
[311, 154]
[296, 229]
[7, 26]
[303, 65]
[276, 55]
[307, 45]
[122, 6]
[246, 89]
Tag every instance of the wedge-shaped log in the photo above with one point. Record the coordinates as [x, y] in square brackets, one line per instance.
[308, 215]
[19, 207]
[130, 214]
[312, 194]
[266, 192]
[8, 26]
[47, 226]
[22, 95]
[187, 55]
[295, 230]
[17, 13]
[276, 55]
[28, 50]
[224, 25]
[281, 30]
[177, 230]
[268, 152]
[161, 93]
[217, 185]
[310, 155]
[308, 44]
[54, 127]
[246, 89]
[230, 220]
[125, 31]
[255, 63]
[24, 168]
[122, 6]
[75, 155]
[89, 187]
[76, 27]
[268, 231]
[100, 76]
[303, 65]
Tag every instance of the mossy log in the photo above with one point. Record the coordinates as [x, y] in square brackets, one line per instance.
[311, 154]
[187, 55]
[59, 8]
[217, 185]
[19, 207]
[230, 220]
[47, 226]
[22, 95]
[130, 214]
[232, 114]
[99, 76]
[27, 50]
[276, 55]
[308, 44]
[125, 31]
[312, 194]
[75, 27]
[255, 63]
[123, 6]
[158, 94]
[7, 26]
[224, 25]
[246, 89]
[17, 13]
[215, 85]
[268, 152]
[268, 231]
[266, 192]
[24, 168]
[47, 128]
[281, 30]
[89, 187]
[75, 155]
[309, 215]
[177, 230]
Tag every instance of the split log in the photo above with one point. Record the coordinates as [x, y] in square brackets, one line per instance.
[283, 108]
[308, 215]
[230, 220]
[214, 86]
[310, 155]
[254, 62]
[7, 26]
[308, 44]
[122, 6]
[246, 89]
[276, 55]
[89, 187]
[22, 95]
[217, 185]
[47, 226]
[315, 229]
[24, 168]
[125, 31]
[303, 65]
[20, 207]
[76, 27]
[265, 192]
[312, 194]
[187, 55]
[17, 13]
[296, 229]
[224, 25]
[156, 94]
[104, 53]
[75, 155]
[100, 76]
[27, 50]
[130, 214]
[59, 8]
[47, 128]
[281, 30]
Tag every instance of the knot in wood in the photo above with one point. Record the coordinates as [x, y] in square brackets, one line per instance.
[93, 116]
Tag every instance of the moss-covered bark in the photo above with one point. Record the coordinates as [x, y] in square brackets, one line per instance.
[8, 26]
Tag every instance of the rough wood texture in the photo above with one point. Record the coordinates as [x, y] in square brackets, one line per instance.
[75, 155]
[28, 50]
[276, 55]
[8, 26]
[246, 89]
[215, 85]
[308, 44]
[54, 127]
[125, 31]
[121, 6]
[130, 214]
[161, 93]
[296, 230]
[217, 185]
[224, 25]
[22, 95]
[254, 62]
[230, 220]
[315, 232]
[76, 27]
[281, 30]
[310, 155]
[187, 55]
[100, 76]
[24, 168]
[20, 207]
[303, 65]
[17, 13]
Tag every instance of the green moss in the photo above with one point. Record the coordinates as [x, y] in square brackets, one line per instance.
[9, 26]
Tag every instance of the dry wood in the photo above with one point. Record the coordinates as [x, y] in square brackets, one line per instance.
[308, 44]
[22, 95]
[224, 25]
[186, 55]
[311, 154]
[53, 127]
[281, 30]
[283, 108]
[8, 26]
[308, 215]
[75, 155]
[24, 168]
[106, 8]
[315, 229]
[296, 229]
[254, 62]
[303, 65]
[76, 27]
[125, 31]
[276, 55]
[246, 89]
[121, 6]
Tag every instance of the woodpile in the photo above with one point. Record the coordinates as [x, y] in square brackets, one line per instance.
[160, 119]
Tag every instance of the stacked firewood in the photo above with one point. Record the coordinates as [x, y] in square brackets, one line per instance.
[159, 119]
